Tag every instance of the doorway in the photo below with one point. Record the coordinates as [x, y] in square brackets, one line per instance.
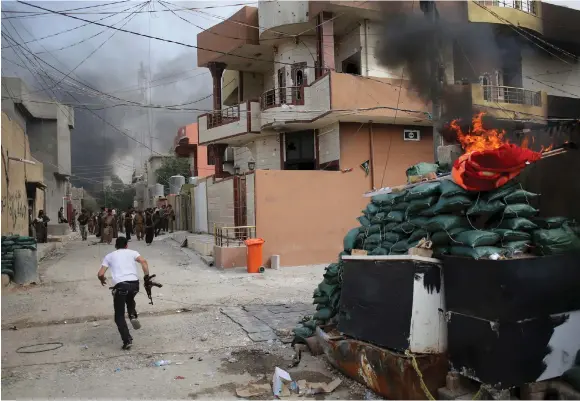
[299, 151]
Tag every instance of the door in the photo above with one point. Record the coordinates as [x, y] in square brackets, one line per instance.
[240, 207]
[282, 85]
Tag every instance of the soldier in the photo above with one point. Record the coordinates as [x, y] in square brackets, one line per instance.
[128, 224]
[170, 215]
[91, 223]
[115, 224]
[108, 227]
[140, 225]
[83, 220]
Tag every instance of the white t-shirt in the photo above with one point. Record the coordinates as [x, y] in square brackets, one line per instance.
[122, 265]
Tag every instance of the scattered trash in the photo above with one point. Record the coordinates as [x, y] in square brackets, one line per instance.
[95, 324]
[118, 370]
[179, 377]
[252, 390]
[278, 379]
[65, 322]
[84, 346]
[179, 363]
[307, 388]
[162, 363]
[191, 357]
[200, 359]
[204, 337]
[44, 310]
[270, 342]
[494, 256]
[232, 360]
[13, 328]
[297, 357]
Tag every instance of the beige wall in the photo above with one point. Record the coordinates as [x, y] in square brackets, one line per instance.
[389, 149]
[329, 143]
[220, 203]
[14, 176]
[310, 230]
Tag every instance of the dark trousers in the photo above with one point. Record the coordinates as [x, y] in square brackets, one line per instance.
[128, 231]
[124, 294]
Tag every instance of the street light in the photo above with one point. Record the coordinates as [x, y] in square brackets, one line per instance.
[251, 165]
[237, 170]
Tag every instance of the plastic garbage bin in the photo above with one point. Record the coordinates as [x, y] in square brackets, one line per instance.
[254, 254]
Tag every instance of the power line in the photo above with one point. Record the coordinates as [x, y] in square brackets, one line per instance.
[34, 13]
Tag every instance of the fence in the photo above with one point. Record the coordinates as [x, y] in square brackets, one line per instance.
[508, 94]
[233, 236]
[293, 95]
[528, 6]
[221, 117]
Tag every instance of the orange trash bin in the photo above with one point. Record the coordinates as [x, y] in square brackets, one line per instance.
[254, 254]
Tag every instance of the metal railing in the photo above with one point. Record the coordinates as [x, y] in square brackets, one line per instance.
[233, 236]
[527, 6]
[508, 94]
[291, 95]
[224, 116]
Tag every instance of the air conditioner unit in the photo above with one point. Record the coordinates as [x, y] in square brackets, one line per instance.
[229, 155]
[411, 135]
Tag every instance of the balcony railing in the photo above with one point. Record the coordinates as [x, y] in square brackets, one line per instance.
[292, 95]
[508, 94]
[527, 6]
[221, 117]
[233, 236]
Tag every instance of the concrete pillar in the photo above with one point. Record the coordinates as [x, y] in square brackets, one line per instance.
[218, 150]
[217, 70]
[325, 43]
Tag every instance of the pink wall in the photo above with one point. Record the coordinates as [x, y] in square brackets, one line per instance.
[203, 168]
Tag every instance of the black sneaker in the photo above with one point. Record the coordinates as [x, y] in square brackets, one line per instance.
[127, 345]
[135, 323]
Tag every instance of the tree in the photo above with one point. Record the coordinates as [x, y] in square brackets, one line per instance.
[171, 166]
[118, 195]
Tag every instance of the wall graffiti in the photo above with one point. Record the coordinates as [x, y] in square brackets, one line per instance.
[15, 205]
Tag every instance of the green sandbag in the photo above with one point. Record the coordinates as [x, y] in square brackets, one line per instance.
[449, 188]
[398, 253]
[326, 289]
[360, 239]
[369, 247]
[418, 235]
[422, 169]
[387, 199]
[303, 332]
[373, 239]
[311, 324]
[343, 253]
[445, 222]
[390, 226]
[519, 210]
[324, 314]
[321, 301]
[401, 207]
[317, 293]
[24, 238]
[516, 247]
[503, 191]
[405, 227]
[403, 246]
[350, 239]
[8, 243]
[8, 272]
[549, 222]
[480, 252]
[392, 237]
[574, 226]
[517, 224]
[371, 209]
[378, 218]
[555, 241]
[396, 216]
[419, 221]
[379, 251]
[374, 229]
[442, 238]
[440, 251]
[482, 207]
[448, 205]
[519, 196]
[415, 206]
[332, 270]
[386, 209]
[387, 245]
[364, 221]
[335, 300]
[506, 235]
[423, 190]
[475, 238]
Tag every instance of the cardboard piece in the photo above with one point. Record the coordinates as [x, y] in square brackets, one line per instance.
[253, 390]
[358, 252]
[307, 388]
[278, 379]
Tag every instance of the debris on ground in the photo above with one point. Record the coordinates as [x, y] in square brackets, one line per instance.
[279, 378]
[162, 363]
[253, 390]
[118, 370]
[179, 377]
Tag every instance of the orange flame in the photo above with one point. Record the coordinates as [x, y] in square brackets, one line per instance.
[478, 138]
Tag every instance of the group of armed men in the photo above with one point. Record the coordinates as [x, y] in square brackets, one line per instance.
[143, 224]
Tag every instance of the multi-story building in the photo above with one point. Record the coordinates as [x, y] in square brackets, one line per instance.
[301, 86]
[48, 126]
[186, 144]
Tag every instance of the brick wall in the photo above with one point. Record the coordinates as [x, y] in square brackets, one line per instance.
[220, 203]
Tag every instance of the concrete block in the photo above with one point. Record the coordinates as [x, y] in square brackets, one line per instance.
[275, 262]
[447, 154]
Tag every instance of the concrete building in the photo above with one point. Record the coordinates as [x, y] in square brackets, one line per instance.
[48, 126]
[307, 98]
[186, 144]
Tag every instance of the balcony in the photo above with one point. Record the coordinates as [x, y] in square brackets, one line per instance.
[507, 101]
[342, 97]
[521, 13]
[233, 125]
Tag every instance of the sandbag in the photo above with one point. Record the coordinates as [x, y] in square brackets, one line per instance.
[324, 314]
[373, 239]
[371, 209]
[24, 238]
[422, 169]
[480, 252]
[321, 300]
[506, 235]
[445, 222]
[549, 222]
[449, 188]
[401, 207]
[386, 208]
[378, 218]
[396, 216]
[443, 238]
[419, 221]
[303, 332]
[387, 199]
[482, 207]
[390, 226]
[350, 239]
[379, 251]
[403, 246]
[325, 289]
[387, 245]
[519, 210]
[374, 229]
[518, 224]
[555, 241]
[405, 227]
[519, 196]
[475, 238]
[503, 191]
[418, 234]
[364, 221]
[423, 190]
[440, 251]
[415, 206]
[448, 205]
[392, 237]
[516, 247]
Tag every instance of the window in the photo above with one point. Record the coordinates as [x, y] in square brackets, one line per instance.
[351, 65]
[299, 151]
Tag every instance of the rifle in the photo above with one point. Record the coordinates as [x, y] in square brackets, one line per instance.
[149, 283]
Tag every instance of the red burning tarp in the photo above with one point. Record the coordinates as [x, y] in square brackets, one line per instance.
[489, 161]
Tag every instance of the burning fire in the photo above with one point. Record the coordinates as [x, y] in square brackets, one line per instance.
[479, 139]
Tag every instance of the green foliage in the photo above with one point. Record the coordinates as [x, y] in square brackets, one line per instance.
[171, 166]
